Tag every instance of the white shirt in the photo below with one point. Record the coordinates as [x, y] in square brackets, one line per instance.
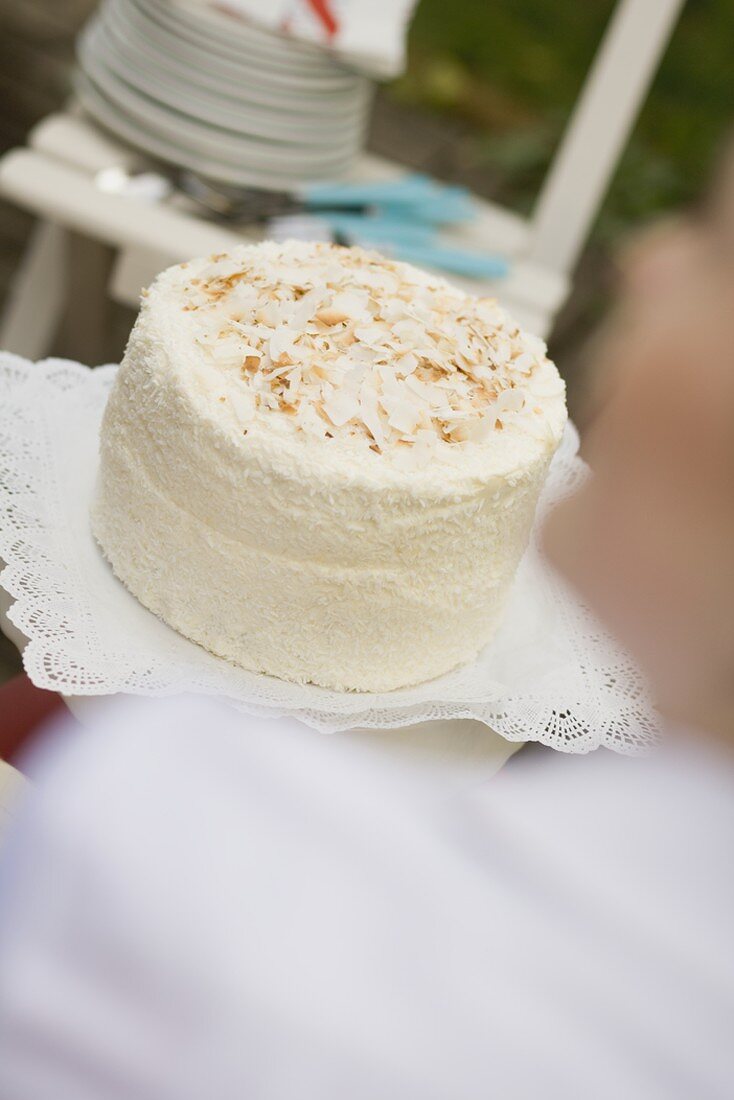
[201, 905]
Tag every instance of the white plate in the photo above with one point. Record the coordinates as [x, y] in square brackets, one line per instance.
[238, 38]
[233, 33]
[242, 173]
[211, 141]
[327, 82]
[245, 91]
[234, 78]
[185, 134]
[164, 81]
[550, 674]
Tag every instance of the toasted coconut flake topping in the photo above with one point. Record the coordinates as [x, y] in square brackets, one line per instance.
[344, 342]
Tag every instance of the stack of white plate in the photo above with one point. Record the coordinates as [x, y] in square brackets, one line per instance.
[225, 99]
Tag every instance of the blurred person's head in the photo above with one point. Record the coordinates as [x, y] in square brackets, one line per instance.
[649, 541]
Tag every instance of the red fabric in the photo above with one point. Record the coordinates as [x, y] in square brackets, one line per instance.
[23, 708]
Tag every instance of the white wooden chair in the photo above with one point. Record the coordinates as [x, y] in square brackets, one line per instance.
[54, 178]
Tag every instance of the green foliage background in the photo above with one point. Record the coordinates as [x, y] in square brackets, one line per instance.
[513, 69]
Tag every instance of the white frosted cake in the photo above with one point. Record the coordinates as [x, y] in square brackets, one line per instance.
[324, 465]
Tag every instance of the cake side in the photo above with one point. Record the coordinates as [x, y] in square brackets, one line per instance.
[313, 558]
[349, 628]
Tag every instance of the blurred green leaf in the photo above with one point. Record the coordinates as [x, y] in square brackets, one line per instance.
[514, 68]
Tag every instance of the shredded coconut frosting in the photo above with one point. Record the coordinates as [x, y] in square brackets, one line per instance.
[324, 465]
[344, 343]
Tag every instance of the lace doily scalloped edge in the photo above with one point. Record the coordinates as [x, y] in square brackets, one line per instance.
[39, 583]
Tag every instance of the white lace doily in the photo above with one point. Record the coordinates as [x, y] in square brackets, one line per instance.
[550, 675]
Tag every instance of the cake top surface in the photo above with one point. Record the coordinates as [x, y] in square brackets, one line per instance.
[345, 349]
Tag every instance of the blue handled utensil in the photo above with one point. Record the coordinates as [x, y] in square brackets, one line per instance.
[416, 197]
[411, 242]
